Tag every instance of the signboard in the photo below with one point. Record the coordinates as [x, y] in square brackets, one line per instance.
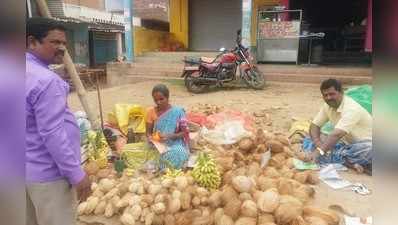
[279, 29]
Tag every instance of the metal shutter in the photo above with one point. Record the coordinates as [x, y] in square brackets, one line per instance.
[104, 47]
[213, 23]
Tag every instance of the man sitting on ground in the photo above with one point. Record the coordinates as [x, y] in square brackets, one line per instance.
[350, 143]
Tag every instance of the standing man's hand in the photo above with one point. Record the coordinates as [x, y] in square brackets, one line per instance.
[83, 189]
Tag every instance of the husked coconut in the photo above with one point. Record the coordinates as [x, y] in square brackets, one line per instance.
[268, 201]
[289, 208]
[327, 215]
[232, 208]
[315, 221]
[249, 208]
[246, 221]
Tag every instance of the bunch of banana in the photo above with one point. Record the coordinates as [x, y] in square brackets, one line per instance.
[97, 148]
[206, 173]
[172, 173]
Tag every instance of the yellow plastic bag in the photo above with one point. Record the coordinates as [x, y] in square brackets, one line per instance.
[127, 116]
[136, 154]
[300, 126]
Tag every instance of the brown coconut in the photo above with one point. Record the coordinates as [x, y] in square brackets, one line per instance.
[261, 148]
[225, 163]
[275, 146]
[185, 199]
[289, 163]
[285, 186]
[265, 183]
[298, 221]
[303, 193]
[225, 220]
[227, 177]
[91, 168]
[228, 193]
[249, 209]
[215, 199]
[268, 201]
[289, 152]
[169, 219]
[289, 209]
[232, 208]
[184, 218]
[253, 169]
[103, 173]
[277, 161]
[257, 157]
[302, 176]
[246, 144]
[271, 172]
[329, 216]
[313, 178]
[239, 157]
[242, 184]
[246, 221]
[260, 137]
[266, 218]
[311, 220]
[283, 140]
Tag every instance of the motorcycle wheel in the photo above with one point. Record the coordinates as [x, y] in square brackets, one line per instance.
[254, 78]
[192, 84]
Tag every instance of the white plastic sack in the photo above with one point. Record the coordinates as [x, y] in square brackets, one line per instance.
[227, 133]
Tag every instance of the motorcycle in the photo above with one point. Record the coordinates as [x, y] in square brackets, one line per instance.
[200, 73]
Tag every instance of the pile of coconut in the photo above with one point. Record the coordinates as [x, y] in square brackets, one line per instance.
[276, 194]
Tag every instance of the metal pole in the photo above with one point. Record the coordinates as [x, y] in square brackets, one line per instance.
[29, 5]
[71, 69]
[129, 29]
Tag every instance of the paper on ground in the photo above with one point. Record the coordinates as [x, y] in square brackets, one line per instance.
[337, 166]
[330, 177]
[357, 221]
[192, 161]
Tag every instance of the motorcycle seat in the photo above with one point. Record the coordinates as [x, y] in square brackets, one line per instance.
[210, 66]
[207, 59]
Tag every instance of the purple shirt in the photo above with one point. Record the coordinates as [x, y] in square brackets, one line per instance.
[52, 134]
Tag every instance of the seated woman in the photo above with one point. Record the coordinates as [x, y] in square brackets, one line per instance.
[170, 124]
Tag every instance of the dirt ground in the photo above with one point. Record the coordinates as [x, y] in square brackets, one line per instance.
[283, 102]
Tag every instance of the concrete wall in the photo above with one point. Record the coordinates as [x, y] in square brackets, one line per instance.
[95, 4]
[179, 20]
[149, 40]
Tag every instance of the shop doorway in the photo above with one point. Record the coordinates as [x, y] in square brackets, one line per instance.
[344, 24]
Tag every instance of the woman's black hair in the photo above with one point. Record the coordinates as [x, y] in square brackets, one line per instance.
[39, 27]
[162, 89]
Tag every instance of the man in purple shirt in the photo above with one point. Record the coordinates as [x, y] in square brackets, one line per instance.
[53, 170]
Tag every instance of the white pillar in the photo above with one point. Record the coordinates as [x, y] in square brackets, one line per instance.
[119, 44]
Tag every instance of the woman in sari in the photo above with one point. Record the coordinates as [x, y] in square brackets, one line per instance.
[170, 125]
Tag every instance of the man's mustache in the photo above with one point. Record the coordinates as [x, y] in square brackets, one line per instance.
[61, 52]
